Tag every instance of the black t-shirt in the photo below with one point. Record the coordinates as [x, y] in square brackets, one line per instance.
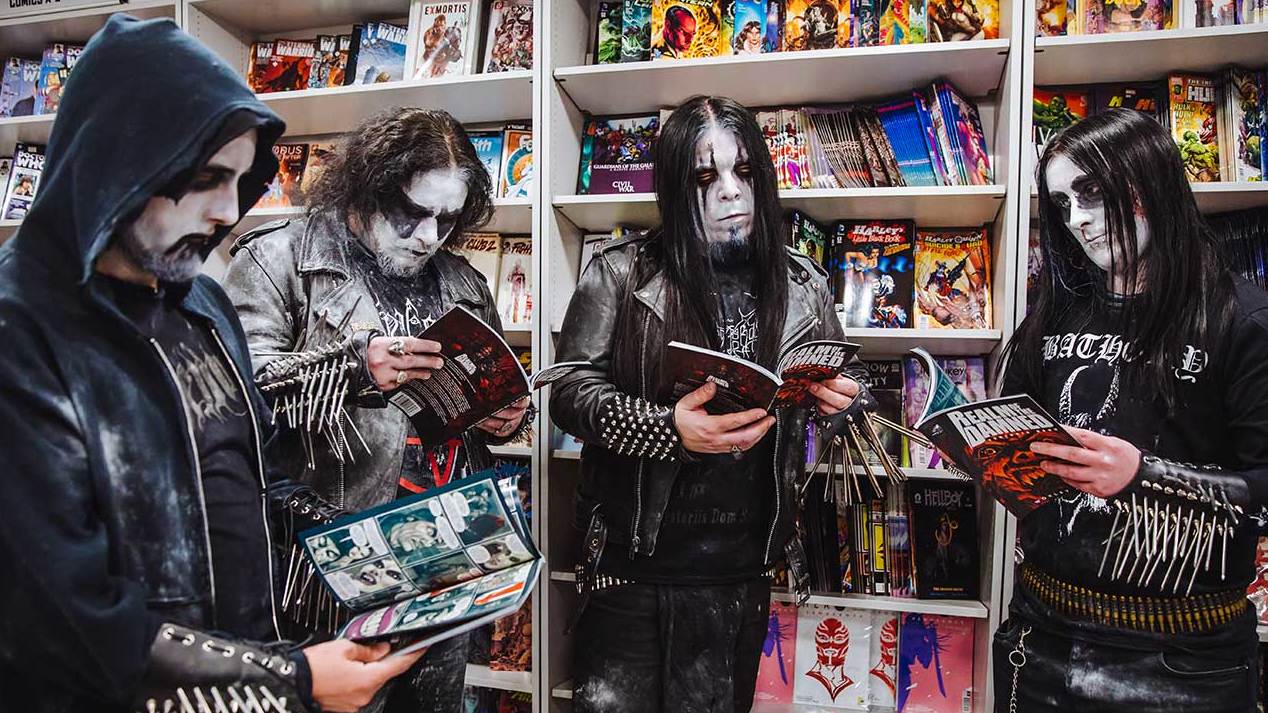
[407, 306]
[717, 524]
[1223, 420]
[218, 417]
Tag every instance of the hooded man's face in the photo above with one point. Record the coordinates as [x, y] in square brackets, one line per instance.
[168, 238]
[403, 236]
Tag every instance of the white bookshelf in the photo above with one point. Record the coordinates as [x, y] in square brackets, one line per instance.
[27, 36]
[484, 677]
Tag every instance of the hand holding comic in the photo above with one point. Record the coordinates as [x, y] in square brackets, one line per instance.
[1100, 465]
[505, 422]
[702, 433]
[834, 395]
[346, 675]
[394, 360]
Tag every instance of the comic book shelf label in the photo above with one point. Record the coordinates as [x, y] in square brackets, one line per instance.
[14, 9]
[1147, 56]
[762, 80]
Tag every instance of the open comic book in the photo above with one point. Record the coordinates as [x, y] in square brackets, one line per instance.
[989, 441]
[428, 567]
[481, 376]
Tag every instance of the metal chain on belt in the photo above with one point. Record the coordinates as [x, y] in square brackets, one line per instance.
[1018, 659]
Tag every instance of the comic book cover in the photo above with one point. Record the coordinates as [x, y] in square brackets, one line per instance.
[636, 30]
[798, 157]
[324, 60]
[1257, 592]
[808, 236]
[917, 22]
[944, 539]
[443, 38]
[1215, 13]
[971, 137]
[1056, 108]
[1192, 111]
[484, 252]
[902, 128]
[898, 536]
[607, 32]
[775, 672]
[946, 173]
[1034, 265]
[749, 31]
[885, 382]
[688, 28]
[833, 648]
[319, 153]
[339, 69]
[511, 648]
[381, 55]
[261, 61]
[73, 53]
[510, 39]
[774, 39]
[618, 154]
[953, 278]
[895, 22]
[284, 191]
[1050, 18]
[488, 146]
[1244, 123]
[11, 86]
[515, 282]
[49, 84]
[871, 272]
[517, 162]
[1145, 97]
[956, 20]
[935, 664]
[882, 662]
[966, 374]
[816, 24]
[6, 168]
[24, 180]
[1109, 16]
[282, 65]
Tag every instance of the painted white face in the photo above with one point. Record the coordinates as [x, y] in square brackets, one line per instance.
[404, 238]
[168, 238]
[724, 186]
[1083, 207]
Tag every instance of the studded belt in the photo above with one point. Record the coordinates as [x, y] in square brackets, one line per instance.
[1160, 615]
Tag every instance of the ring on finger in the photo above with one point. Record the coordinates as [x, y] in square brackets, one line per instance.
[397, 348]
[737, 452]
[401, 376]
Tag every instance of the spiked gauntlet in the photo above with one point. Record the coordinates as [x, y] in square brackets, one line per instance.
[631, 426]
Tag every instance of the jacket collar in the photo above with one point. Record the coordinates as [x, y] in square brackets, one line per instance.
[324, 245]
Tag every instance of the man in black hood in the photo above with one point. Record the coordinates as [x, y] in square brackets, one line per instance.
[134, 519]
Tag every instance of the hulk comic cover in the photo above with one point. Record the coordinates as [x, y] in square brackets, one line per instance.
[953, 283]
[685, 29]
[1192, 100]
[1055, 109]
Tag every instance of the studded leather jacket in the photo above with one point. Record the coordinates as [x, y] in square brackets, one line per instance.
[632, 452]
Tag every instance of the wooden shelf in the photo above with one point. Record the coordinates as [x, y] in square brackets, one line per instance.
[808, 77]
[934, 206]
[274, 16]
[510, 215]
[27, 36]
[1140, 56]
[472, 99]
[484, 677]
[939, 342]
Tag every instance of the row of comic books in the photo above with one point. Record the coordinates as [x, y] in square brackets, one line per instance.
[20, 178]
[449, 37]
[641, 30]
[370, 53]
[507, 644]
[31, 87]
[931, 138]
[506, 261]
[1217, 121]
[889, 274]
[916, 539]
[1095, 17]
[838, 658]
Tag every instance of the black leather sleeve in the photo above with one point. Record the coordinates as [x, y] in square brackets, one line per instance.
[838, 424]
[1210, 488]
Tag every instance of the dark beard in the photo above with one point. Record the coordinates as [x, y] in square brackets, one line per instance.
[732, 252]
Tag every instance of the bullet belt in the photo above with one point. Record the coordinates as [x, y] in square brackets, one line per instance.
[1161, 615]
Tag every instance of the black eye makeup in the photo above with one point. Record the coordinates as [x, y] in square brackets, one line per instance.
[209, 179]
[705, 176]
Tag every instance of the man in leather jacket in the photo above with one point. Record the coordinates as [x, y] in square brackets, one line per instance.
[370, 258]
[1132, 595]
[135, 517]
[686, 513]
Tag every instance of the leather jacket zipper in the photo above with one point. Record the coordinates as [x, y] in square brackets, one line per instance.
[638, 477]
[775, 471]
[198, 469]
[259, 463]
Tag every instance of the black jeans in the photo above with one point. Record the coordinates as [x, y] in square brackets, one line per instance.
[648, 648]
[434, 683]
[1064, 675]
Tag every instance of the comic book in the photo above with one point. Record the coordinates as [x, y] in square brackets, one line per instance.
[902, 128]
[683, 29]
[24, 180]
[1109, 16]
[325, 58]
[917, 22]
[1214, 13]
[935, 664]
[971, 137]
[1056, 108]
[515, 282]
[1050, 18]
[953, 279]
[6, 168]
[775, 672]
[871, 272]
[319, 153]
[484, 252]
[742, 384]
[944, 539]
[902, 581]
[286, 68]
[945, 173]
[617, 154]
[510, 39]
[49, 84]
[749, 31]
[885, 382]
[808, 236]
[517, 162]
[430, 566]
[261, 61]
[11, 86]
[1193, 118]
[381, 54]
[895, 22]
[339, 75]
[1244, 124]
[882, 661]
[607, 32]
[833, 648]
[1146, 97]
[816, 24]
[965, 375]
[941, 115]
[73, 53]
[1257, 592]
[284, 190]
[488, 146]
[636, 30]
[445, 38]
[774, 40]
[957, 20]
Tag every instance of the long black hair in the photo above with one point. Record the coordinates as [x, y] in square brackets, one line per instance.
[1183, 290]
[682, 252]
